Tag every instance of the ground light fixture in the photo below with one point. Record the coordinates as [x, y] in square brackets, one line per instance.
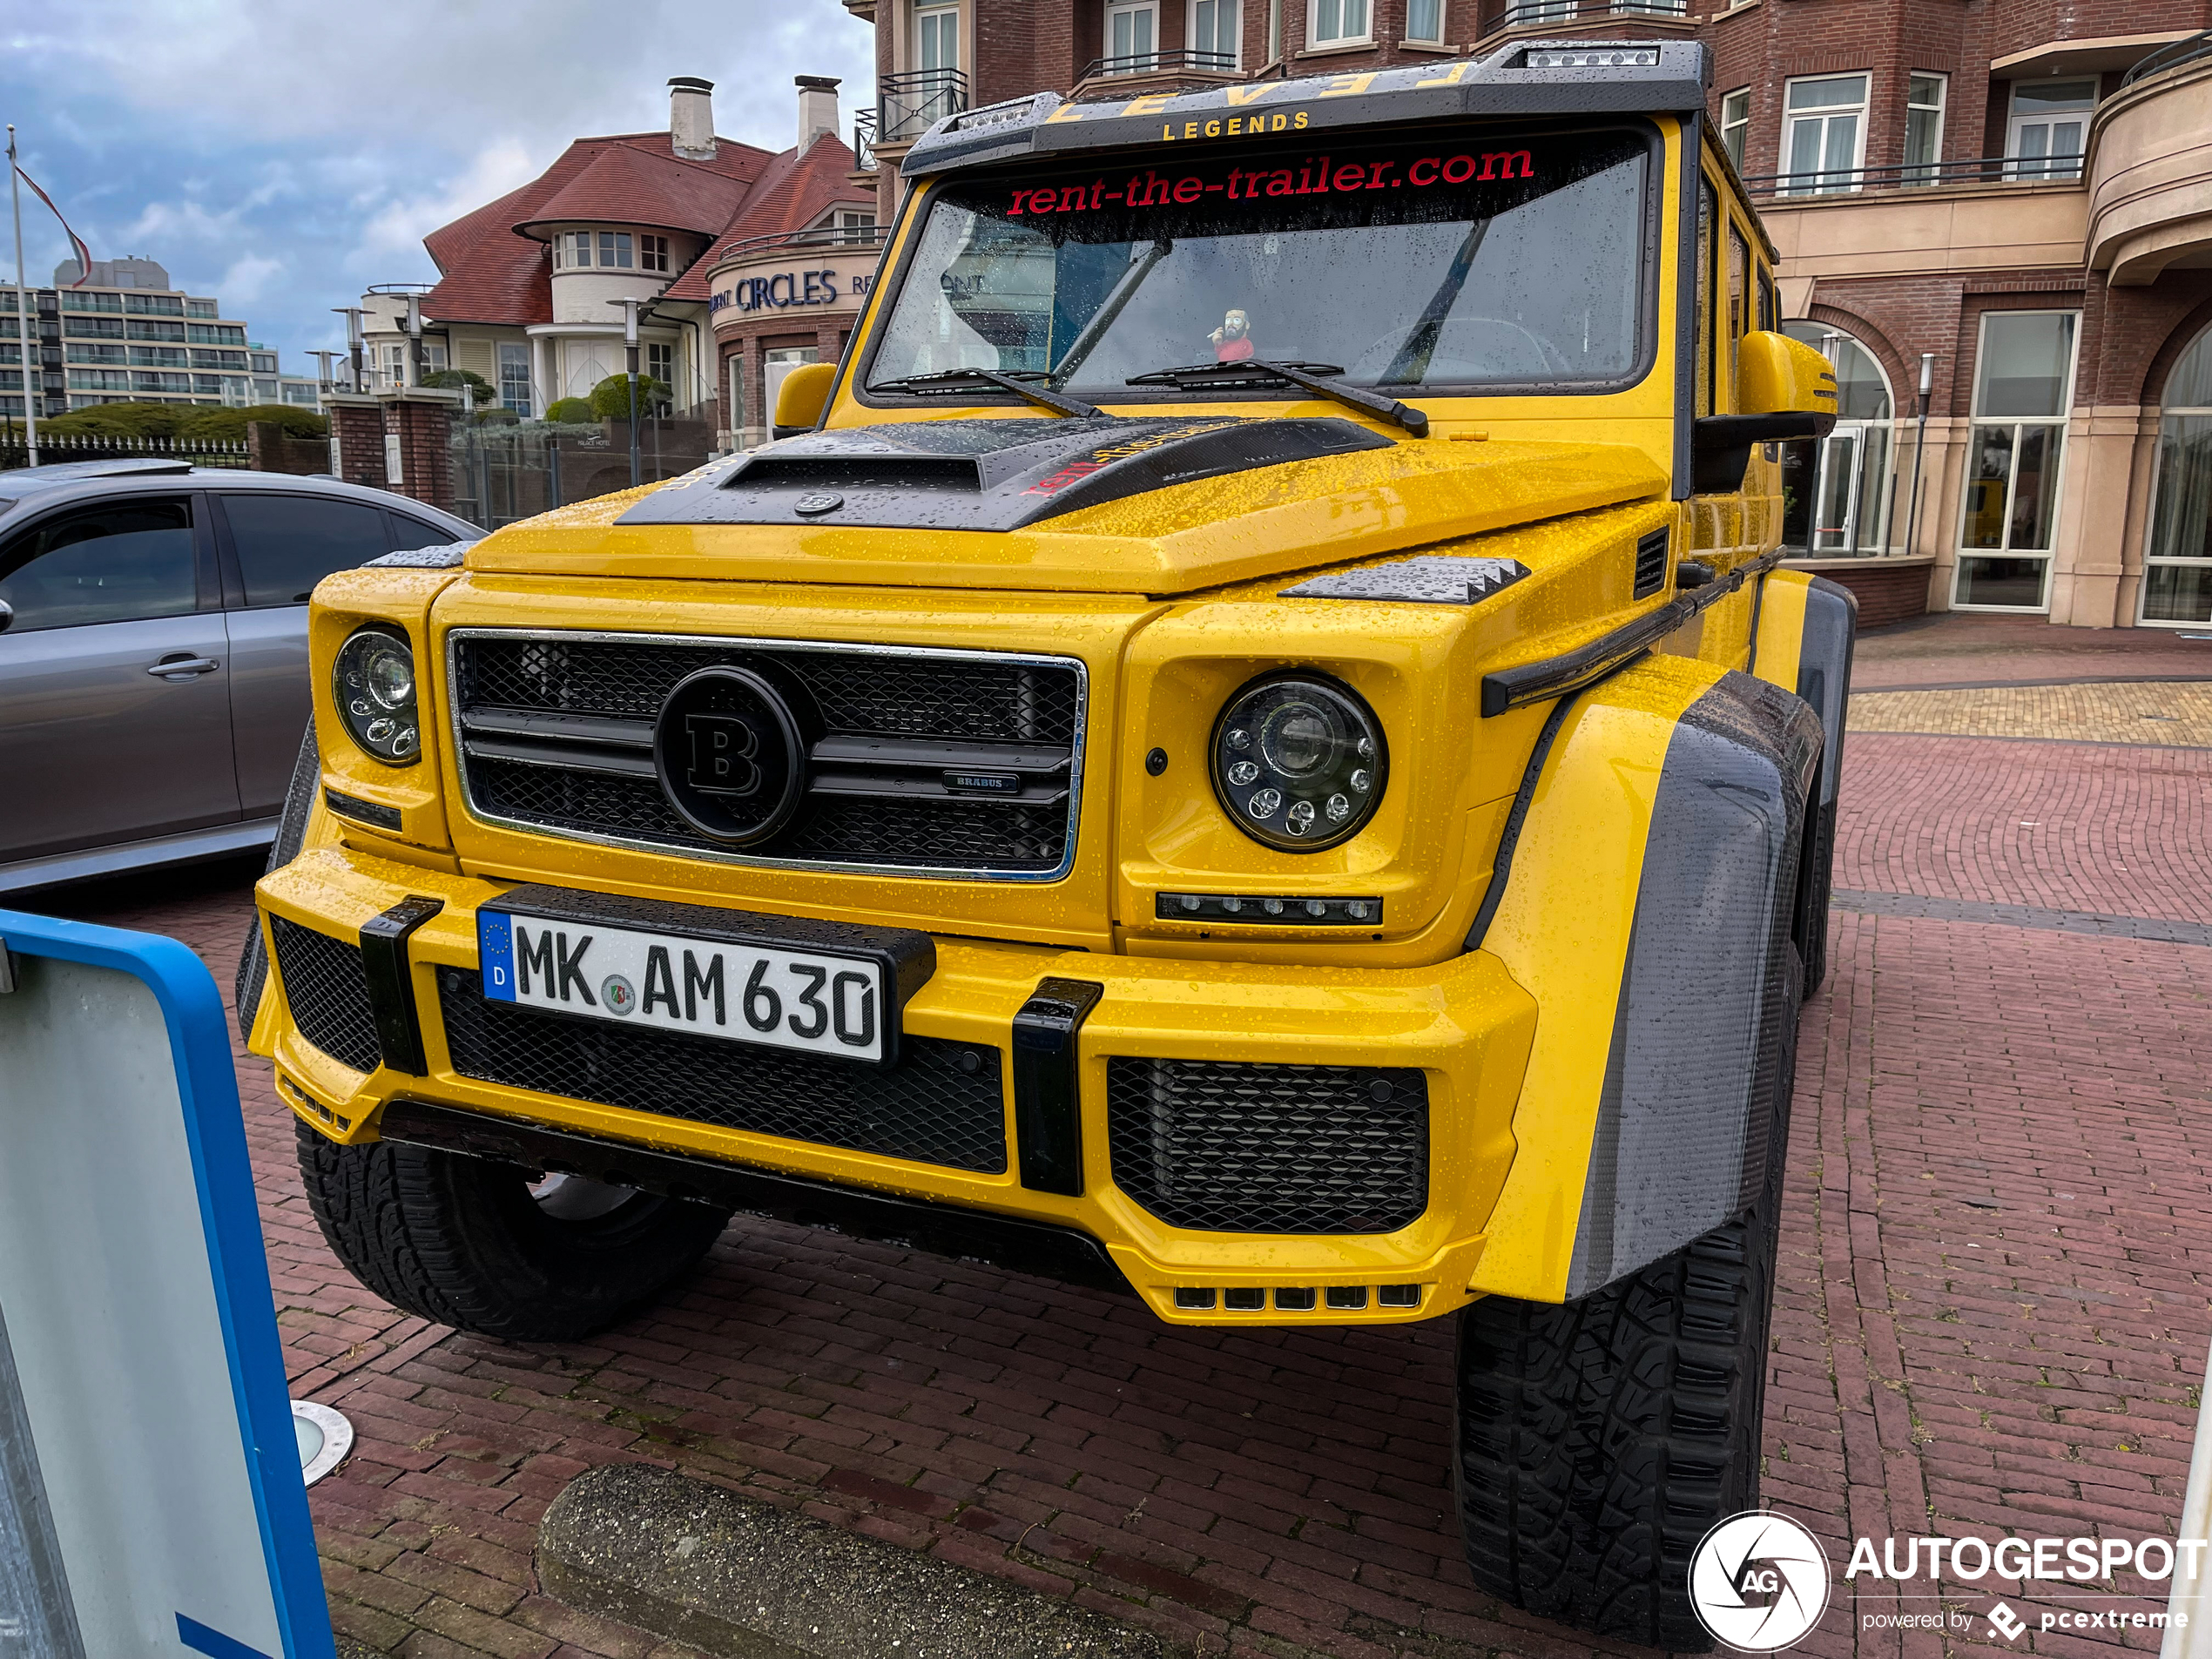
[1299, 761]
[325, 1438]
[373, 684]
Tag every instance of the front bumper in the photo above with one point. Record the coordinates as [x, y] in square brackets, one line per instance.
[1462, 1025]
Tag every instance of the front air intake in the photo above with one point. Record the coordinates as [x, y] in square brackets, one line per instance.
[1231, 1146]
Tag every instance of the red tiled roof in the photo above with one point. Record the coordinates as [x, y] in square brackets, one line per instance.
[792, 192]
[488, 273]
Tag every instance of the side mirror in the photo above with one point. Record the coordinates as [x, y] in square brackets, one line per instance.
[802, 397]
[7, 615]
[1784, 389]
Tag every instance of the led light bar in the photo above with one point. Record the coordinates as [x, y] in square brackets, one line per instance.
[1268, 908]
[1592, 58]
[1294, 1299]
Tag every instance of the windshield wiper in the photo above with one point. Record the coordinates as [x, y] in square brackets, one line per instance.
[975, 380]
[1307, 376]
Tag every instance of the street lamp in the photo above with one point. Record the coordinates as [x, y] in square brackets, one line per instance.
[414, 340]
[630, 340]
[1919, 449]
[353, 314]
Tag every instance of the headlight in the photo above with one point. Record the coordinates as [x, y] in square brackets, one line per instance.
[1299, 761]
[372, 683]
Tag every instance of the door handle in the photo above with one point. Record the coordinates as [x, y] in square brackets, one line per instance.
[180, 666]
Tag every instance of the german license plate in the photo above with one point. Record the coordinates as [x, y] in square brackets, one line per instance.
[760, 993]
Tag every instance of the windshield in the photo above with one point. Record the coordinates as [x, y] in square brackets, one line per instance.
[1446, 260]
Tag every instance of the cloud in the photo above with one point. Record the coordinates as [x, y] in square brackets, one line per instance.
[283, 155]
[248, 278]
[397, 228]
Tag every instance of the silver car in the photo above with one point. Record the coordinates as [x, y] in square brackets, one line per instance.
[153, 653]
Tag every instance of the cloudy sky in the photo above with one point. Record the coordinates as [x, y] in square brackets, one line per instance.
[281, 155]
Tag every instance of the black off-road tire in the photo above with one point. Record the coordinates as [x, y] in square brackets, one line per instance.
[1598, 1441]
[461, 1241]
[291, 829]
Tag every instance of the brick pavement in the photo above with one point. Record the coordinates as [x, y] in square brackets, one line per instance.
[2167, 714]
[1988, 1312]
[1966, 648]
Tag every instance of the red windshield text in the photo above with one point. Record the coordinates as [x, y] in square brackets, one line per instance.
[1312, 176]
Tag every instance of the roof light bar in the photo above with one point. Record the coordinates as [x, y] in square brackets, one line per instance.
[1591, 57]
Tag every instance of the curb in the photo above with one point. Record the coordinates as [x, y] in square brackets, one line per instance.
[736, 1576]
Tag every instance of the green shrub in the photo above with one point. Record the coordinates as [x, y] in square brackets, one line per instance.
[611, 397]
[120, 421]
[571, 411]
[481, 390]
[228, 426]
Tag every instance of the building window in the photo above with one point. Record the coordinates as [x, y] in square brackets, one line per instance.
[2023, 387]
[1216, 37]
[1338, 23]
[1824, 136]
[653, 252]
[2177, 570]
[395, 372]
[1132, 36]
[1425, 22]
[733, 421]
[615, 249]
[2049, 121]
[937, 37]
[1735, 124]
[1924, 101]
[856, 226]
[514, 377]
[660, 365]
[1835, 490]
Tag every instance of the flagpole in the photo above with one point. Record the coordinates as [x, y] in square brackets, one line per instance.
[28, 350]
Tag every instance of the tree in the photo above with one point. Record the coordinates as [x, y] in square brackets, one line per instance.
[611, 397]
[481, 391]
[571, 411]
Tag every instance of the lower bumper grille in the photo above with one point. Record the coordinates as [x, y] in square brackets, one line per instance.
[1238, 1148]
[327, 993]
[941, 1104]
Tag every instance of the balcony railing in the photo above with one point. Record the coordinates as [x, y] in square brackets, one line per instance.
[908, 105]
[864, 140]
[2182, 51]
[1170, 62]
[1529, 13]
[1916, 175]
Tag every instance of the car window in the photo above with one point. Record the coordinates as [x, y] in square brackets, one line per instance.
[115, 564]
[287, 543]
[411, 533]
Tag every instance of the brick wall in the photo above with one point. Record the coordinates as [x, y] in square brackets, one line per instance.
[358, 423]
[424, 430]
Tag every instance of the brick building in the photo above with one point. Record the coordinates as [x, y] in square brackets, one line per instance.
[530, 286]
[2017, 193]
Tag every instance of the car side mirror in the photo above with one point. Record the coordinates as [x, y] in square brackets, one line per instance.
[802, 397]
[7, 615]
[1784, 389]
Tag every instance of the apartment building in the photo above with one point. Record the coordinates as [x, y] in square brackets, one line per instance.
[2009, 198]
[128, 335]
[531, 287]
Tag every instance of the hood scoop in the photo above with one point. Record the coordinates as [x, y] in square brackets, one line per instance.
[982, 475]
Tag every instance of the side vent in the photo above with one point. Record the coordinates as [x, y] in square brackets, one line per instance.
[1651, 564]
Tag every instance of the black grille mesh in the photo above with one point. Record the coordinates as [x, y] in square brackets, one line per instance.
[327, 993]
[928, 1109]
[1231, 1147]
[952, 834]
[852, 693]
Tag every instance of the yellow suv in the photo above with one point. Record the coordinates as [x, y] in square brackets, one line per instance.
[1246, 745]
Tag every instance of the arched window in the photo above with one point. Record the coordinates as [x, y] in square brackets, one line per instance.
[1836, 492]
[2177, 566]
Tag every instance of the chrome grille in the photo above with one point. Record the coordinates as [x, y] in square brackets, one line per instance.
[555, 735]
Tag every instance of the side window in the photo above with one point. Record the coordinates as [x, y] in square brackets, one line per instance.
[411, 533]
[287, 543]
[1739, 299]
[116, 563]
[1703, 342]
[1769, 302]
